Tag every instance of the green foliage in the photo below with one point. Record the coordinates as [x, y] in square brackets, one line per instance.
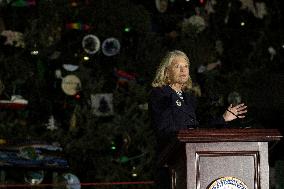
[246, 68]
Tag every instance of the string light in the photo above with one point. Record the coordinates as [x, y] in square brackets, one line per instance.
[134, 172]
[127, 29]
[34, 52]
[113, 145]
[86, 58]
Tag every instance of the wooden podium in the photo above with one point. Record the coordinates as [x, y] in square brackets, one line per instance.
[197, 157]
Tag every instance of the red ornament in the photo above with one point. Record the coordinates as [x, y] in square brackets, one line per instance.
[77, 96]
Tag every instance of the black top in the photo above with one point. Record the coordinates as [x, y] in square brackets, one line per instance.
[169, 113]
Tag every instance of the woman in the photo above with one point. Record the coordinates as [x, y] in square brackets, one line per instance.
[171, 107]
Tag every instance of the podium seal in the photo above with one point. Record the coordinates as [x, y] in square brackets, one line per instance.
[228, 183]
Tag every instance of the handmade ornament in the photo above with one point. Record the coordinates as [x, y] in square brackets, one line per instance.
[213, 65]
[91, 44]
[13, 38]
[234, 98]
[16, 102]
[257, 8]
[272, 52]
[194, 23]
[58, 74]
[260, 10]
[51, 125]
[71, 84]
[143, 106]
[29, 153]
[209, 7]
[72, 181]
[102, 104]
[34, 177]
[161, 5]
[70, 67]
[73, 121]
[124, 77]
[111, 46]
[134, 172]
[208, 67]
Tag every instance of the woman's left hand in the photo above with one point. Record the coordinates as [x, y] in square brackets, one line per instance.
[234, 112]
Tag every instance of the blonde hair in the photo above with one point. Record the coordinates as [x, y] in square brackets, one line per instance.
[161, 78]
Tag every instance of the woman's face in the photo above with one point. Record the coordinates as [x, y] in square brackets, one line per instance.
[178, 71]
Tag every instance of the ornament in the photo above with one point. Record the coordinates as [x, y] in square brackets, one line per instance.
[111, 46]
[124, 77]
[272, 52]
[208, 67]
[29, 153]
[51, 125]
[13, 38]
[213, 65]
[134, 172]
[34, 177]
[234, 98]
[143, 106]
[72, 181]
[16, 102]
[102, 104]
[194, 23]
[209, 7]
[161, 5]
[73, 121]
[58, 74]
[70, 67]
[71, 84]
[201, 69]
[91, 44]
[258, 9]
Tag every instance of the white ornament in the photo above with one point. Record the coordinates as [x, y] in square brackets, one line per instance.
[272, 52]
[194, 21]
[58, 74]
[51, 125]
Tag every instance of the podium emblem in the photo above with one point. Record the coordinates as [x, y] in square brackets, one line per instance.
[227, 183]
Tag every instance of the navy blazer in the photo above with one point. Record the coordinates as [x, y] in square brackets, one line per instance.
[169, 113]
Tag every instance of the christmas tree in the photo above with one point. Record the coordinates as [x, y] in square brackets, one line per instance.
[79, 73]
